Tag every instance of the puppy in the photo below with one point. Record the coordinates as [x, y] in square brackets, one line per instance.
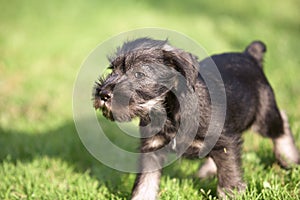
[162, 86]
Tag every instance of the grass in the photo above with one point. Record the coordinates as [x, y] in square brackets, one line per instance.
[42, 45]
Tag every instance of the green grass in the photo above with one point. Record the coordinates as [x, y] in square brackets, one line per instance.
[42, 45]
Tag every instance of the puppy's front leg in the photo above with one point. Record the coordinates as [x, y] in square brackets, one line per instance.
[226, 155]
[147, 181]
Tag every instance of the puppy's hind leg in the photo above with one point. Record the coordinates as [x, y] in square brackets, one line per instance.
[272, 123]
[285, 148]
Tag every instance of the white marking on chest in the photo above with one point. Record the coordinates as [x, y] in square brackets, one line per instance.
[156, 142]
[150, 104]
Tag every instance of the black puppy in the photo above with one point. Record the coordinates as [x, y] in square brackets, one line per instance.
[161, 85]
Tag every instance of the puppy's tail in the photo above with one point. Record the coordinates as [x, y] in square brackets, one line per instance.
[257, 50]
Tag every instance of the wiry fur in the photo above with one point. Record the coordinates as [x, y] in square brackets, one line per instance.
[145, 74]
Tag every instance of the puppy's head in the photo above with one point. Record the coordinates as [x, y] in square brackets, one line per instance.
[144, 71]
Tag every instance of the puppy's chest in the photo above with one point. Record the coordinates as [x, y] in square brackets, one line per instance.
[175, 144]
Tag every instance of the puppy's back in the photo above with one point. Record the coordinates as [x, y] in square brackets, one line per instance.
[243, 77]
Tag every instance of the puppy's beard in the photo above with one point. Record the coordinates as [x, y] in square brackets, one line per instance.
[126, 113]
[116, 113]
[123, 108]
[110, 112]
[107, 113]
[116, 116]
[105, 107]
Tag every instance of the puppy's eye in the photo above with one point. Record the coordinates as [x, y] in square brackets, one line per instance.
[139, 75]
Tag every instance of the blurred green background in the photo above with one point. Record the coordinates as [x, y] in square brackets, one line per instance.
[42, 45]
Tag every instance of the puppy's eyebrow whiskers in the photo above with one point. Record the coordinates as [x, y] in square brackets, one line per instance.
[100, 81]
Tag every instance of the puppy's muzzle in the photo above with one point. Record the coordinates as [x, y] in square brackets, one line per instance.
[105, 96]
[103, 99]
[104, 93]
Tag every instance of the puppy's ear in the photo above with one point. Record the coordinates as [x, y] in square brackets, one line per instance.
[185, 63]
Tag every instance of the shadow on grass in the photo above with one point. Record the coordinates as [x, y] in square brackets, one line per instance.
[65, 144]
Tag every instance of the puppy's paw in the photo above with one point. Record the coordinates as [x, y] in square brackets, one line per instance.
[285, 148]
[229, 192]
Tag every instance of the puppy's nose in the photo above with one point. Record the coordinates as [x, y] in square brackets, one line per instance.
[105, 95]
